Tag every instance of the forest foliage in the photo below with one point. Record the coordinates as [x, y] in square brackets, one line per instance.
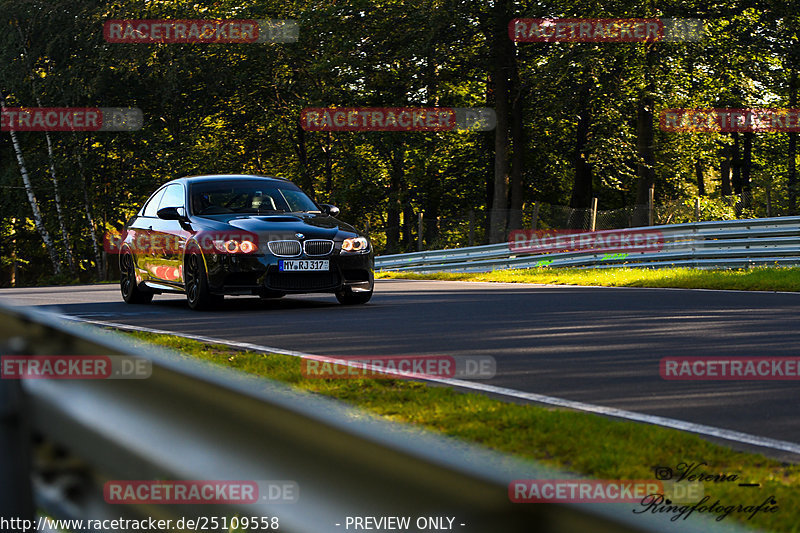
[574, 120]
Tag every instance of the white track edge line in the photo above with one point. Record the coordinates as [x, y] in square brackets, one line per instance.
[737, 291]
[701, 429]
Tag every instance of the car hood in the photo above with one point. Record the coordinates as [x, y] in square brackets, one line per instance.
[311, 225]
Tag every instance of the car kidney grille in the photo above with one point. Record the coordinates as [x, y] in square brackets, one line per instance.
[284, 248]
[303, 281]
[318, 247]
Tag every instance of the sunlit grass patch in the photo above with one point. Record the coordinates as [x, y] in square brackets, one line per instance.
[753, 279]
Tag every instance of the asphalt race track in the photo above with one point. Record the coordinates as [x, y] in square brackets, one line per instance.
[590, 344]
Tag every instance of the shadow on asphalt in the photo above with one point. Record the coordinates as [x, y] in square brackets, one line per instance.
[173, 305]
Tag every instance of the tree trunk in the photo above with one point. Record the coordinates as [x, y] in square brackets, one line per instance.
[302, 157]
[725, 153]
[37, 215]
[431, 222]
[792, 181]
[87, 208]
[487, 142]
[57, 199]
[645, 135]
[500, 44]
[394, 207]
[698, 172]
[582, 185]
[328, 167]
[409, 223]
[736, 165]
[518, 144]
[56, 193]
[747, 164]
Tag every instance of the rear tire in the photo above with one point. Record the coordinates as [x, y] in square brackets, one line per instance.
[198, 294]
[347, 297]
[128, 285]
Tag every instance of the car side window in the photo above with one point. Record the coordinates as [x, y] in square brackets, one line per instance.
[173, 197]
[152, 206]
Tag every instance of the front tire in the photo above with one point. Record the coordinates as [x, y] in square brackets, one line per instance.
[347, 297]
[198, 294]
[128, 285]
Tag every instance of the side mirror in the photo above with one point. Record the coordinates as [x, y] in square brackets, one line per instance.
[329, 209]
[170, 213]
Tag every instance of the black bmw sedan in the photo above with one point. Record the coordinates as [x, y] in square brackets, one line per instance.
[208, 236]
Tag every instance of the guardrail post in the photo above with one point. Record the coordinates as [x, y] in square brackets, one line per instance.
[419, 233]
[650, 209]
[535, 217]
[593, 215]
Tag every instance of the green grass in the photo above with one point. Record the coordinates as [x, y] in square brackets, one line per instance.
[753, 279]
[582, 443]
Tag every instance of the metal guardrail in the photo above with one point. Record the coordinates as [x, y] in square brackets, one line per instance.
[716, 244]
[195, 421]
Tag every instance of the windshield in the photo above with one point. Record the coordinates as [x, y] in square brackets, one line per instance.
[219, 198]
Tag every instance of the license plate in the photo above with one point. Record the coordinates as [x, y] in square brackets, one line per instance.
[303, 265]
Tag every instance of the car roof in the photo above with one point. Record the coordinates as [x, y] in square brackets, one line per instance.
[226, 177]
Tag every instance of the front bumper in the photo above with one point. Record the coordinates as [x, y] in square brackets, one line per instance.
[258, 273]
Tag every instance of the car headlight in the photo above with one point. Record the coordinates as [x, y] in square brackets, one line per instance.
[234, 246]
[356, 244]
